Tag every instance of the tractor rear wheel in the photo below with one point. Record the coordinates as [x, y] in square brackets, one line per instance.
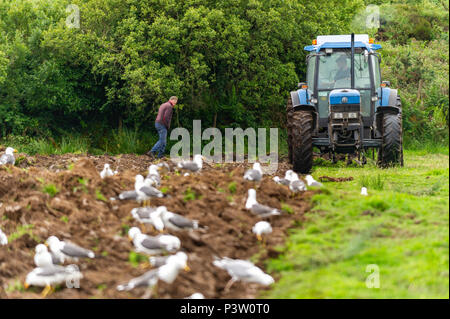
[300, 129]
[391, 151]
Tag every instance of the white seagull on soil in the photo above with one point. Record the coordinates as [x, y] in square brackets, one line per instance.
[3, 238]
[65, 250]
[176, 221]
[258, 209]
[261, 228]
[8, 157]
[312, 182]
[255, 174]
[242, 270]
[153, 245]
[194, 166]
[106, 172]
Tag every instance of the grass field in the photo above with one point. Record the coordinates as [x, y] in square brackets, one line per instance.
[402, 227]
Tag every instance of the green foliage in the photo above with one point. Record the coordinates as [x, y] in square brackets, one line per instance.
[50, 189]
[231, 63]
[97, 89]
[100, 196]
[372, 182]
[135, 258]
[415, 58]
[189, 194]
[20, 231]
[232, 187]
[286, 208]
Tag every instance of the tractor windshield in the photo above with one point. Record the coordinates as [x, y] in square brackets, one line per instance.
[334, 70]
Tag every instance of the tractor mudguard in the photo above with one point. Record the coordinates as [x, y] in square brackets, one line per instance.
[301, 101]
[388, 102]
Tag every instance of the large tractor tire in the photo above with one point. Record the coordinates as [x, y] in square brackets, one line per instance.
[391, 151]
[300, 129]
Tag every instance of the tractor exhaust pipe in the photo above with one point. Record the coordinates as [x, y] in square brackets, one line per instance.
[352, 70]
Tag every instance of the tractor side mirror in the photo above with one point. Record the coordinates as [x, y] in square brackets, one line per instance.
[385, 84]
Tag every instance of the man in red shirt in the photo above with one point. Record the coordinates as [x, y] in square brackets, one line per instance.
[162, 124]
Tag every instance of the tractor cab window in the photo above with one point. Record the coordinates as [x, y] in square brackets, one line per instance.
[310, 72]
[362, 74]
[334, 71]
[376, 70]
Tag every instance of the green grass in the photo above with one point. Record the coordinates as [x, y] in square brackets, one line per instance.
[402, 227]
[22, 230]
[189, 194]
[50, 189]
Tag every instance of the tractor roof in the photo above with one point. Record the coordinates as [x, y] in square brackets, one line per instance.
[342, 41]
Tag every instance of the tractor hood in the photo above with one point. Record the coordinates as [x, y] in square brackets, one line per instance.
[345, 96]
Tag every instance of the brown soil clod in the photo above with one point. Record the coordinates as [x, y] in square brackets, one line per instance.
[335, 179]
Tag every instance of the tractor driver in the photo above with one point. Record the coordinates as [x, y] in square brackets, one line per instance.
[343, 72]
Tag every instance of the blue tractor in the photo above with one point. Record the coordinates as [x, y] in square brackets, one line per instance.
[344, 107]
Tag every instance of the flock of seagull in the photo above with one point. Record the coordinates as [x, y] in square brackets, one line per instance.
[163, 250]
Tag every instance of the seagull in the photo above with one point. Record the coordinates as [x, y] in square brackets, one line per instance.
[148, 215]
[126, 195]
[167, 273]
[364, 191]
[8, 157]
[145, 191]
[260, 228]
[153, 176]
[165, 165]
[107, 171]
[254, 174]
[175, 221]
[196, 295]
[42, 258]
[50, 276]
[258, 209]
[3, 238]
[158, 261]
[295, 185]
[65, 250]
[193, 166]
[242, 270]
[312, 182]
[283, 181]
[153, 245]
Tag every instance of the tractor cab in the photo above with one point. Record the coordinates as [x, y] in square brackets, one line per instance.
[330, 68]
[344, 102]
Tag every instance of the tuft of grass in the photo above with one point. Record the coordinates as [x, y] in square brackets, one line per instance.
[286, 208]
[135, 258]
[50, 189]
[20, 231]
[164, 189]
[232, 187]
[124, 229]
[16, 286]
[65, 219]
[100, 196]
[189, 194]
[372, 182]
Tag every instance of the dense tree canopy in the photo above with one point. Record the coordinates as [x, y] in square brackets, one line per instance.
[231, 62]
